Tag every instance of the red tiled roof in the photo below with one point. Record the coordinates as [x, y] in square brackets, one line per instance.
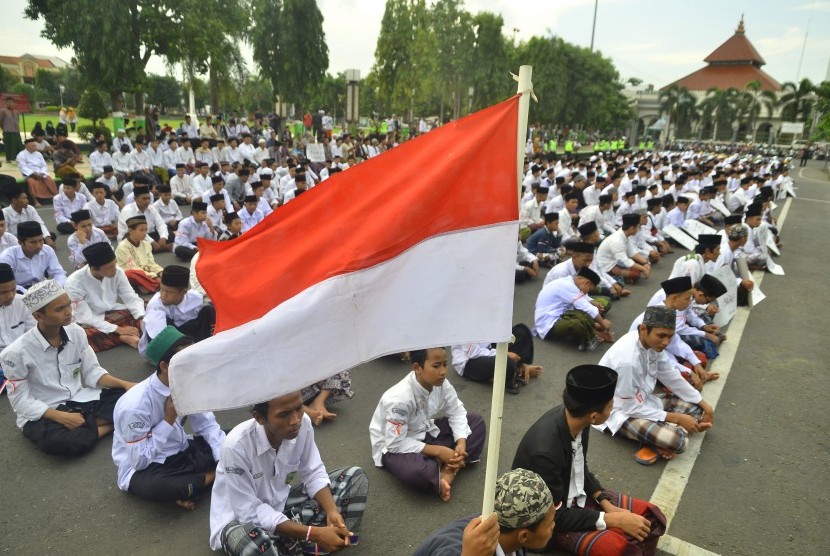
[736, 49]
[726, 76]
[14, 60]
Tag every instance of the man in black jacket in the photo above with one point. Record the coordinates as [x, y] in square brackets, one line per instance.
[556, 448]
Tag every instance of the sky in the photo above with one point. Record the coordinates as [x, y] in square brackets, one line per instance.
[656, 41]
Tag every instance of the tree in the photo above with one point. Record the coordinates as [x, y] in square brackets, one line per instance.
[290, 45]
[680, 105]
[5, 81]
[24, 89]
[114, 39]
[758, 100]
[394, 73]
[257, 94]
[93, 106]
[452, 26]
[490, 67]
[47, 85]
[164, 90]
[719, 106]
[793, 100]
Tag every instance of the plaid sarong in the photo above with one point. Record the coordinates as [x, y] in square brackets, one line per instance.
[349, 488]
[340, 386]
[661, 434]
[614, 541]
[102, 341]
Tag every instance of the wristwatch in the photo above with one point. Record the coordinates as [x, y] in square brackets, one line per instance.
[600, 497]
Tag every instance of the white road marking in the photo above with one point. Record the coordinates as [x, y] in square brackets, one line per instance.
[812, 200]
[801, 176]
[676, 474]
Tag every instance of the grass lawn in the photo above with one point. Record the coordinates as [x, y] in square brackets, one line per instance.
[31, 119]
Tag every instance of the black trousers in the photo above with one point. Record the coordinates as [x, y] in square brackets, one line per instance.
[180, 477]
[482, 369]
[184, 253]
[155, 236]
[54, 439]
[200, 327]
[65, 228]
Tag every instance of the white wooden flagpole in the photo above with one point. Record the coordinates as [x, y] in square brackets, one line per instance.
[497, 402]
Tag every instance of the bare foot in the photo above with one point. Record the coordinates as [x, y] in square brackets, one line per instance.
[130, 340]
[322, 410]
[315, 416]
[186, 504]
[665, 453]
[445, 482]
[533, 371]
[707, 376]
[606, 337]
[625, 293]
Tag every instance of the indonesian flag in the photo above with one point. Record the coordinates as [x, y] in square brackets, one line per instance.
[414, 248]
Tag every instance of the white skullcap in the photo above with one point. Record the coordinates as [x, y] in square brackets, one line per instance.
[42, 294]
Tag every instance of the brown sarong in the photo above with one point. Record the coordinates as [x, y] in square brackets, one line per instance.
[102, 341]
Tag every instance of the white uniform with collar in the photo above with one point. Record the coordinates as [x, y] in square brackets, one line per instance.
[15, 319]
[406, 412]
[252, 478]
[43, 377]
[638, 370]
[142, 436]
[556, 298]
[157, 313]
[92, 298]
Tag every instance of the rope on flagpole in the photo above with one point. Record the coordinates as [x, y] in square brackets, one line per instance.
[497, 402]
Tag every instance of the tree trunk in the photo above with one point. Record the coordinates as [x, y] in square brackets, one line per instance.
[715, 131]
[214, 90]
[115, 100]
[138, 98]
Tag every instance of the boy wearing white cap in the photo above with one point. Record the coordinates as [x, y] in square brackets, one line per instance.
[56, 380]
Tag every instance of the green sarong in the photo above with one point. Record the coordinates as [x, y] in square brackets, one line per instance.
[574, 326]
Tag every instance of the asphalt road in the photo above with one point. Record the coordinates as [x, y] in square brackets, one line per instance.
[758, 487]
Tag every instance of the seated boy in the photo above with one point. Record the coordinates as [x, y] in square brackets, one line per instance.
[135, 256]
[104, 211]
[176, 304]
[156, 459]
[191, 229]
[556, 447]
[477, 362]
[257, 501]
[423, 452]
[85, 235]
[104, 302]
[56, 381]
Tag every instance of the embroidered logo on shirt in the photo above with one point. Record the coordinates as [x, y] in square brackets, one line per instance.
[75, 372]
[290, 477]
[234, 470]
[258, 475]
[137, 425]
[7, 363]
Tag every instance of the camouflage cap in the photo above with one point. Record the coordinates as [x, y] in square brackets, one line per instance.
[522, 499]
[659, 316]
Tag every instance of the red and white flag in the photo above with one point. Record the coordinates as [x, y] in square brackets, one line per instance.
[411, 249]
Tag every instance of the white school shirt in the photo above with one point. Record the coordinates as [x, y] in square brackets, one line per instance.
[251, 478]
[676, 217]
[76, 248]
[15, 319]
[210, 193]
[531, 213]
[97, 161]
[190, 231]
[406, 412]
[141, 160]
[7, 240]
[123, 162]
[591, 195]
[260, 154]
[28, 214]
[29, 163]
[156, 156]
[111, 183]
[638, 370]
[64, 206]
[688, 323]
[690, 265]
[464, 352]
[168, 212]
[204, 156]
[30, 271]
[181, 187]
[157, 313]
[142, 436]
[615, 250]
[171, 158]
[43, 376]
[698, 209]
[118, 141]
[185, 156]
[201, 184]
[566, 268]
[557, 297]
[155, 223]
[92, 298]
[250, 220]
[677, 347]
[103, 214]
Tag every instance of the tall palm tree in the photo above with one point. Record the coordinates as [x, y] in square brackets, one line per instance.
[720, 105]
[677, 102]
[794, 101]
[759, 100]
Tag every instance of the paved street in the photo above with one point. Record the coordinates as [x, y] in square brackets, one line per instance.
[759, 485]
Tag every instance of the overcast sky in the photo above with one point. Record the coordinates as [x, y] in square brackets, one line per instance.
[658, 41]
